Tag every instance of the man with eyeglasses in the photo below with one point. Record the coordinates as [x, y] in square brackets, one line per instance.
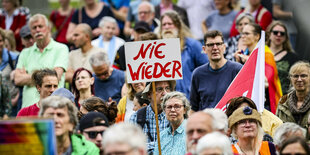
[92, 126]
[145, 117]
[108, 81]
[210, 81]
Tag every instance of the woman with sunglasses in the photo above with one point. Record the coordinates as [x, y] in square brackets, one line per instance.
[250, 36]
[295, 106]
[284, 55]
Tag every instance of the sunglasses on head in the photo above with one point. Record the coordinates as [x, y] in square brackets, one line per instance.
[93, 134]
[277, 32]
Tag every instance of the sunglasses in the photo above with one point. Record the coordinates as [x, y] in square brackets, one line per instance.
[277, 32]
[93, 134]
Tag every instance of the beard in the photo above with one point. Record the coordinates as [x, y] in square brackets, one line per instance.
[169, 34]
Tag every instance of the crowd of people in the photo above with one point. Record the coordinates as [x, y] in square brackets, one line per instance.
[71, 66]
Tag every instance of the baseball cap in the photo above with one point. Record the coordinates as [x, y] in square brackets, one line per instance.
[24, 31]
[142, 26]
[88, 120]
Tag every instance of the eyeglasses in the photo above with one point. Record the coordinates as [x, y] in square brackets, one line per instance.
[161, 89]
[277, 32]
[93, 134]
[245, 121]
[212, 44]
[296, 76]
[176, 107]
[144, 12]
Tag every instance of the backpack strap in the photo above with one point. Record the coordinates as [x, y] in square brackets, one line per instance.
[141, 120]
[11, 63]
[141, 117]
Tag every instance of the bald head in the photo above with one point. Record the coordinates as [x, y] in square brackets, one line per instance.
[198, 124]
[86, 29]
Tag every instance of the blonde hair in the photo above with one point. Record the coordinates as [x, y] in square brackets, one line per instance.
[9, 35]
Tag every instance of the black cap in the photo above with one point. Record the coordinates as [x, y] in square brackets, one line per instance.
[24, 31]
[87, 121]
[142, 26]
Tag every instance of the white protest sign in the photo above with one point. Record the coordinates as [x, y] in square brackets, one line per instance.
[153, 60]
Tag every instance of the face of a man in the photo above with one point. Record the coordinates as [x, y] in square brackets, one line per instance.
[49, 85]
[94, 134]
[198, 124]
[103, 72]
[62, 120]
[145, 14]
[27, 41]
[214, 48]
[161, 88]
[39, 30]
[169, 30]
[79, 38]
[108, 30]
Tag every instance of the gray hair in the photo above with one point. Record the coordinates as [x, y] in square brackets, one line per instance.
[220, 120]
[281, 133]
[245, 15]
[181, 97]
[215, 140]
[36, 17]
[150, 5]
[107, 19]
[99, 58]
[133, 136]
[59, 102]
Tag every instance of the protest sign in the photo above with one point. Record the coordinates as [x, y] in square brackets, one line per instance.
[25, 136]
[153, 60]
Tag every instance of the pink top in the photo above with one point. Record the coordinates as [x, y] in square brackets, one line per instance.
[32, 110]
[163, 9]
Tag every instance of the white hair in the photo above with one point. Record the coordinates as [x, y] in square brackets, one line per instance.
[99, 58]
[36, 17]
[215, 140]
[219, 121]
[281, 133]
[107, 19]
[181, 97]
[150, 5]
[125, 133]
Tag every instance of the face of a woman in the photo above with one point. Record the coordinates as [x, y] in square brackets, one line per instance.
[83, 80]
[244, 21]
[246, 128]
[301, 80]
[174, 110]
[138, 87]
[294, 148]
[7, 5]
[277, 35]
[248, 36]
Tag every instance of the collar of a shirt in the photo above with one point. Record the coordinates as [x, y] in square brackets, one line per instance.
[48, 47]
[151, 113]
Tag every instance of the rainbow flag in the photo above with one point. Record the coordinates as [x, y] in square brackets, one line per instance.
[271, 72]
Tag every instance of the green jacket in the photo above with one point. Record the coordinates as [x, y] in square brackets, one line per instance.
[81, 146]
[284, 113]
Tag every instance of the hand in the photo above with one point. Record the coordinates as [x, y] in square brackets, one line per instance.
[97, 31]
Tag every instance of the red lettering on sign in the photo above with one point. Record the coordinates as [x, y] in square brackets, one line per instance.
[176, 68]
[150, 47]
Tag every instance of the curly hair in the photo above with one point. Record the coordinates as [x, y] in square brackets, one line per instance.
[97, 104]
[38, 75]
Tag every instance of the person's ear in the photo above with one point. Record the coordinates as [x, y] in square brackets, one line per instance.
[92, 80]
[38, 88]
[79, 131]
[144, 105]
